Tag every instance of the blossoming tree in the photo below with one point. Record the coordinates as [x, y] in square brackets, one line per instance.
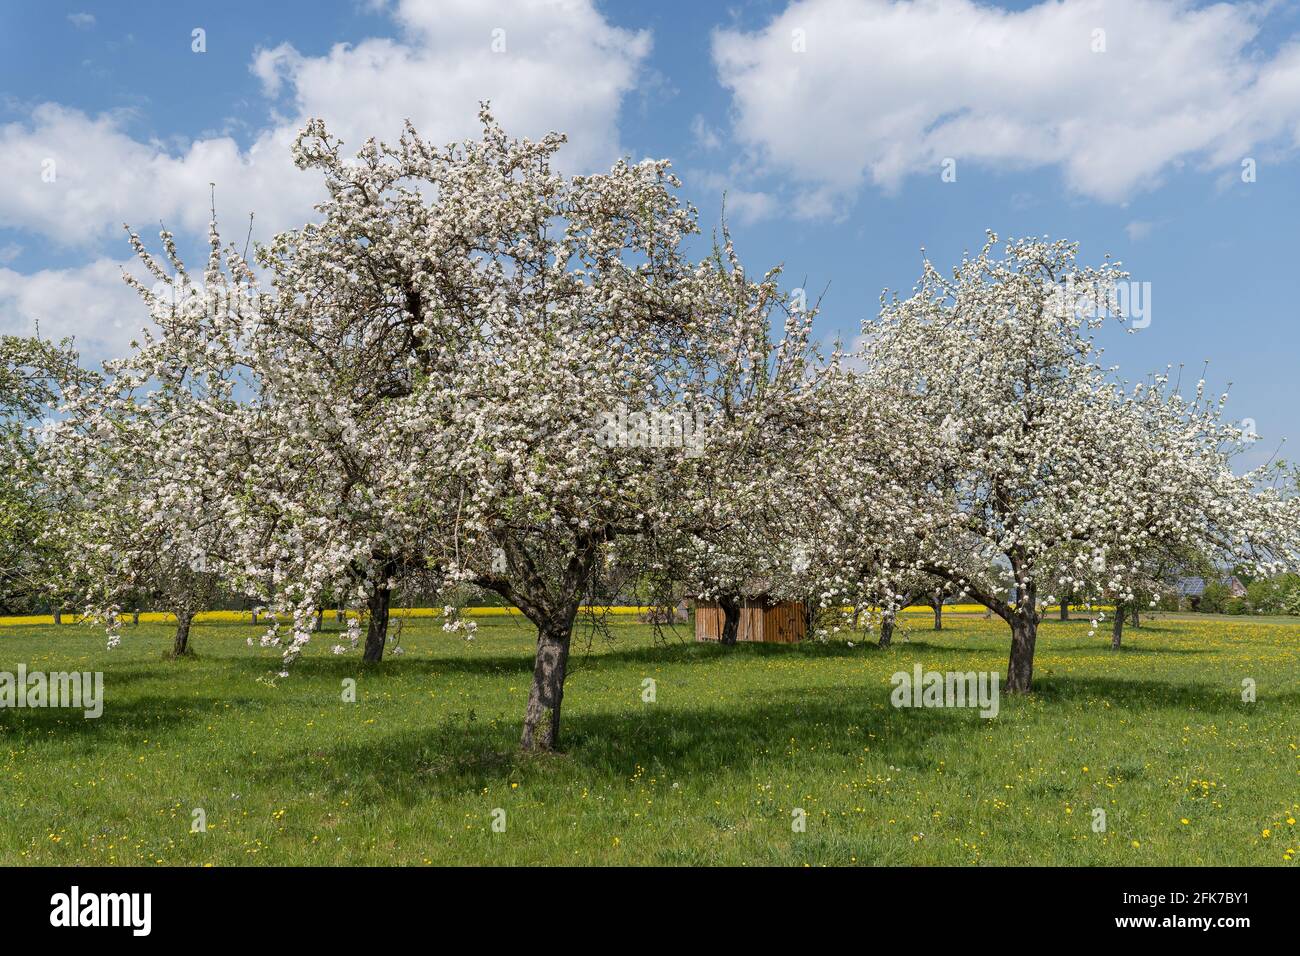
[416, 385]
[581, 304]
[1011, 443]
[143, 454]
[758, 389]
[34, 372]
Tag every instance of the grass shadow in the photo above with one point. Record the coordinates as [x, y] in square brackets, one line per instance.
[142, 717]
[461, 755]
[1140, 695]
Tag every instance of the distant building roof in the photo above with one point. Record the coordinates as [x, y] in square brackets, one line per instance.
[1190, 587]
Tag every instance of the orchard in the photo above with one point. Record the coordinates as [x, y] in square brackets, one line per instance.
[414, 393]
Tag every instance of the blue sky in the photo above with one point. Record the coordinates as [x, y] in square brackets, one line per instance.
[831, 154]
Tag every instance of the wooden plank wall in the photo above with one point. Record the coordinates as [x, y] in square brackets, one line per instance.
[751, 622]
[782, 624]
[708, 621]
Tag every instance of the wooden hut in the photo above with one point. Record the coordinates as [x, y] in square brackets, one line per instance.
[761, 620]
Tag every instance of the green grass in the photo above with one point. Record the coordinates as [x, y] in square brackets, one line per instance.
[708, 774]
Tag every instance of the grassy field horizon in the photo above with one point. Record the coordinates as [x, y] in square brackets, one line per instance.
[735, 744]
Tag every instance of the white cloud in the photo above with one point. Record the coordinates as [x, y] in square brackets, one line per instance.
[82, 21]
[743, 206]
[544, 65]
[1139, 229]
[706, 137]
[563, 68]
[560, 66]
[887, 89]
[750, 206]
[90, 302]
[75, 179]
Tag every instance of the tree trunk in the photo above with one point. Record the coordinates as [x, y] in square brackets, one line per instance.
[135, 618]
[1065, 609]
[1136, 620]
[1117, 628]
[58, 616]
[542, 716]
[1020, 668]
[339, 615]
[886, 630]
[320, 620]
[181, 642]
[377, 626]
[938, 612]
[730, 620]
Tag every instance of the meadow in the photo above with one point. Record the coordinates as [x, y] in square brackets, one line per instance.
[711, 772]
